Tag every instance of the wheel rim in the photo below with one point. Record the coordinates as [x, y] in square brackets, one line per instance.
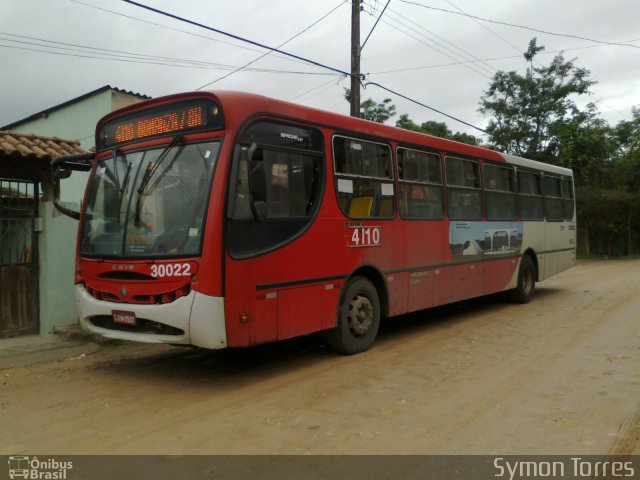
[360, 314]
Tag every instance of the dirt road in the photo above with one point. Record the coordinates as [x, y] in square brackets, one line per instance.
[559, 375]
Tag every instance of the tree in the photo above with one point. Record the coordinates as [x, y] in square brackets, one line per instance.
[527, 110]
[371, 110]
[383, 111]
[627, 140]
[587, 147]
[437, 129]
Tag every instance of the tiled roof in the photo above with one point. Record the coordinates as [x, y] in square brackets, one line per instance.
[22, 145]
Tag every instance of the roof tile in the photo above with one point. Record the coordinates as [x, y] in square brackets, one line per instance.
[29, 146]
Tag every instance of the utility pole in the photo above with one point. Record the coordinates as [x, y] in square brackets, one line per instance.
[355, 58]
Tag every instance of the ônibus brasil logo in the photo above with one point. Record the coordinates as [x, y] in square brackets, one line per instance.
[35, 469]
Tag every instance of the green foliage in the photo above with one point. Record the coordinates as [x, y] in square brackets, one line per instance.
[608, 221]
[527, 110]
[535, 115]
[627, 140]
[372, 110]
[437, 129]
[383, 111]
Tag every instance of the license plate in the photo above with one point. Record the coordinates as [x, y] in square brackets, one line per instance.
[123, 318]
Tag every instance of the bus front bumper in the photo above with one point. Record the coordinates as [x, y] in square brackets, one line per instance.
[195, 319]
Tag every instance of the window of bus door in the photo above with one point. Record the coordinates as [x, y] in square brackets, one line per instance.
[567, 195]
[420, 184]
[149, 202]
[530, 200]
[553, 203]
[464, 196]
[364, 178]
[500, 192]
[275, 188]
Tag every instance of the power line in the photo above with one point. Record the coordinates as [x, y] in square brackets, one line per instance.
[106, 53]
[440, 65]
[430, 45]
[143, 60]
[313, 62]
[236, 37]
[509, 57]
[465, 52]
[113, 12]
[269, 52]
[518, 49]
[392, 14]
[317, 87]
[424, 105]
[521, 26]
[374, 25]
[487, 28]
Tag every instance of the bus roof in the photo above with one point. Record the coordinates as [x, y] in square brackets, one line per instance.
[345, 122]
[250, 104]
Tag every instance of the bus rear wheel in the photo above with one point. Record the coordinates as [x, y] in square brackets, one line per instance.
[523, 293]
[358, 318]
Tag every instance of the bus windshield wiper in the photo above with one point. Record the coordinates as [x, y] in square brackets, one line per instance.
[125, 181]
[150, 172]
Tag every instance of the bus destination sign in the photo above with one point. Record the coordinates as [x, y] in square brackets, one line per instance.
[184, 117]
[176, 121]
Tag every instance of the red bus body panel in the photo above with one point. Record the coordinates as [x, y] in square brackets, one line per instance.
[295, 289]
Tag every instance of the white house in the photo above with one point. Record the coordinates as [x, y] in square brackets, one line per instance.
[37, 258]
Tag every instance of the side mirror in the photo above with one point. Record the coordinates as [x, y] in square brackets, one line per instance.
[81, 162]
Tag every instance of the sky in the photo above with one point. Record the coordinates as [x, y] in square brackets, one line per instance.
[439, 59]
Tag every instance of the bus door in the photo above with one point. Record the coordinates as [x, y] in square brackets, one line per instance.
[274, 241]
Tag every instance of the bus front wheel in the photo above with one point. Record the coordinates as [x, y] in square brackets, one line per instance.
[358, 318]
[523, 293]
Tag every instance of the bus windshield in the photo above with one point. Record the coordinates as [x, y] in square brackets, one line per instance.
[149, 203]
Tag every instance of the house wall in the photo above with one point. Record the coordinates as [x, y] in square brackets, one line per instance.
[120, 100]
[57, 247]
[73, 122]
[57, 242]
[76, 121]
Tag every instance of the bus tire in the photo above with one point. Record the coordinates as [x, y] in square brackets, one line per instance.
[523, 293]
[358, 318]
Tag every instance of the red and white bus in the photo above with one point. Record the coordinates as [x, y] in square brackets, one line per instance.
[225, 219]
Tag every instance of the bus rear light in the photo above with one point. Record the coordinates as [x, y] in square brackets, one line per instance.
[244, 317]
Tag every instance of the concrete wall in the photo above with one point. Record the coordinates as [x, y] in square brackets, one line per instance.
[57, 247]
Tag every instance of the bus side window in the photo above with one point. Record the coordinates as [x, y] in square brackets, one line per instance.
[530, 201]
[500, 192]
[364, 178]
[420, 184]
[567, 195]
[553, 205]
[463, 189]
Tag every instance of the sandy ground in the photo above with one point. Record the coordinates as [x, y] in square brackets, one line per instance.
[560, 375]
